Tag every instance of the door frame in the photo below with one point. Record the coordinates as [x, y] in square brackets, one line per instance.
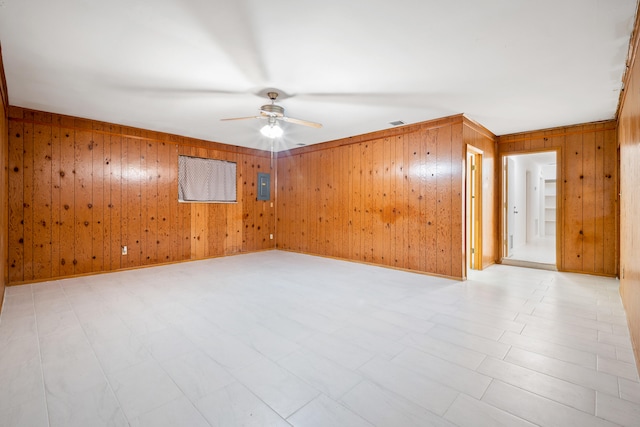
[502, 185]
[473, 207]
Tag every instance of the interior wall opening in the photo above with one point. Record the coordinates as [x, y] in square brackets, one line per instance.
[529, 200]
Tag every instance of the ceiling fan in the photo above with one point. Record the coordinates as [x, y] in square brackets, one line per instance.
[274, 113]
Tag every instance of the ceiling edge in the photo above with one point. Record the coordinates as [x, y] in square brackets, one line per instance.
[634, 41]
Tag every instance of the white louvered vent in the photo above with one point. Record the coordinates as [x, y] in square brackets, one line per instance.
[206, 180]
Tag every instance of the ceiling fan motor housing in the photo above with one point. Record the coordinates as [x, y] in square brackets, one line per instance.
[272, 110]
[275, 113]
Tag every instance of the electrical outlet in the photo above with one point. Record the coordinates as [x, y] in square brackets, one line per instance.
[271, 236]
[124, 250]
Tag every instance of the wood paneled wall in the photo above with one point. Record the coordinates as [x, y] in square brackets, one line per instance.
[629, 144]
[392, 198]
[4, 189]
[79, 190]
[480, 138]
[587, 227]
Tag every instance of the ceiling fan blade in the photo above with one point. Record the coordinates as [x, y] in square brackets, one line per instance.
[300, 122]
[375, 99]
[169, 89]
[266, 113]
[243, 118]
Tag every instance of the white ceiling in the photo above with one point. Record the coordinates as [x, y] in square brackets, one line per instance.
[179, 66]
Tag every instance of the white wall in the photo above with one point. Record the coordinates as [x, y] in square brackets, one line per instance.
[533, 214]
[549, 171]
[520, 202]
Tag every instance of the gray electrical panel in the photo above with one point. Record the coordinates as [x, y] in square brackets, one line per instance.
[264, 186]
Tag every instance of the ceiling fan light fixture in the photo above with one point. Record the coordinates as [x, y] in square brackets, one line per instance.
[271, 131]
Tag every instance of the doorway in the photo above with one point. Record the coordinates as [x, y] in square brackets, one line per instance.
[529, 210]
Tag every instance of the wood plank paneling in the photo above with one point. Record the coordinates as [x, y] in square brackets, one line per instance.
[312, 186]
[390, 198]
[396, 206]
[444, 200]
[164, 252]
[283, 200]
[572, 221]
[267, 211]
[388, 201]
[42, 197]
[482, 140]
[83, 190]
[458, 159]
[429, 243]
[174, 219]
[377, 201]
[589, 242]
[308, 239]
[367, 204]
[114, 207]
[357, 229]
[16, 202]
[79, 190]
[134, 206]
[56, 164]
[611, 215]
[402, 151]
[319, 184]
[599, 178]
[198, 218]
[66, 211]
[588, 182]
[629, 158]
[100, 246]
[184, 216]
[416, 246]
[234, 216]
[27, 201]
[150, 200]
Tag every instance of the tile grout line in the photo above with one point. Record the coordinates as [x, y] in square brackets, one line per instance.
[614, 388]
[545, 398]
[104, 374]
[222, 367]
[259, 398]
[44, 386]
[304, 406]
[192, 403]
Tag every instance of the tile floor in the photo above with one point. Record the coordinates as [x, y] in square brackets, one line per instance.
[278, 339]
[541, 250]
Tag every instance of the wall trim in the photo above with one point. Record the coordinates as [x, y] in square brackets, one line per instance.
[557, 131]
[381, 134]
[478, 128]
[97, 273]
[634, 41]
[391, 267]
[4, 91]
[130, 132]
